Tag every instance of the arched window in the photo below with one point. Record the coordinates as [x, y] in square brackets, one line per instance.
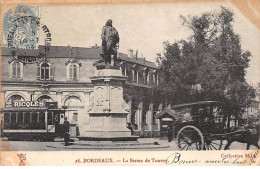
[16, 70]
[13, 98]
[73, 104]
[45, 71]
[45, 98]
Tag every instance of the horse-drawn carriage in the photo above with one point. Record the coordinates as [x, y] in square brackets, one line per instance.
[200, 125]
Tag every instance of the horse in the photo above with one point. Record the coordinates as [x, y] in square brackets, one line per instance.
[245, 134]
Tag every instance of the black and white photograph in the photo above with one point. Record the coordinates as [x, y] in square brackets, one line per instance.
[159, 77]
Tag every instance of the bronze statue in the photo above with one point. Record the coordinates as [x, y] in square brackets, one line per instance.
[110, 39]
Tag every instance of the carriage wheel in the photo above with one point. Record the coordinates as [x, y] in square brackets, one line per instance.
[213, 144]
[190, 138]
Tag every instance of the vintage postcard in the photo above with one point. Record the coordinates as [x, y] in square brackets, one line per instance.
[147, 83]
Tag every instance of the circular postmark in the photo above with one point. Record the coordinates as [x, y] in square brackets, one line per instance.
[24, 33]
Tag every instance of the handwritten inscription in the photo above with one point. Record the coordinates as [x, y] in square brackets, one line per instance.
[176, 158]
[236, 159]
[180, 159]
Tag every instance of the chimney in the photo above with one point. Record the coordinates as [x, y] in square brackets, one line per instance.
[70, 50]
[130, 52]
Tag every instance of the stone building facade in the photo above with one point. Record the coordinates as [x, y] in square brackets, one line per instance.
[62, 74]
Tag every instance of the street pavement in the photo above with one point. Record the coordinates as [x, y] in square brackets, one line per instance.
[144, 144]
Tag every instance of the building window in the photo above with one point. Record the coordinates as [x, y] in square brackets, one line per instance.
[45, 98]
[73, 69]
[148, 78]
[45, 71]
[134, 117]
[135, 73]
[144, 119]
[154, 120]
[13, 98]
[73, 72]
[16, 70]
[155, 78]
[137, 77]
[145, 77]
[123, 68]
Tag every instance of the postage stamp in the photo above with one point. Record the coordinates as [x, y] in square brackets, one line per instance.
[20, 27]
[159, 83]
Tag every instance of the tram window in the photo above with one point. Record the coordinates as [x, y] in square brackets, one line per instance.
[34, 117]
[13, 117]
[50, 117]
[20, 118]
[7, 117]
[26, 117]
[42, 118]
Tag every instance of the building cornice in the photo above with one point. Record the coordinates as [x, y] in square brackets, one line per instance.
[39, 83]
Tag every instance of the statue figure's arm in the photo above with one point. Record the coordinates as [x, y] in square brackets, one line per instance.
[103, 34]
[116, 36]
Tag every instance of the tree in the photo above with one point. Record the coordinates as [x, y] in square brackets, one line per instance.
[211, 59]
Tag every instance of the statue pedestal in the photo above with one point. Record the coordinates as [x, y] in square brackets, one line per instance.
[108, 110]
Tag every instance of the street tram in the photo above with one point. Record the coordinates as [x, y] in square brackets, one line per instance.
[32, 120]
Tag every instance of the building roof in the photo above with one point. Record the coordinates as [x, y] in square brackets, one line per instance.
[197, 103]
[140, 61]
[165, 112]
[173, 111]
[77, 52]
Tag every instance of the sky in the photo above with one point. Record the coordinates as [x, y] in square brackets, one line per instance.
[144, 27]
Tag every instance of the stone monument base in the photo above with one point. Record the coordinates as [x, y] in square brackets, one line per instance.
[107, 113]
[130, 138]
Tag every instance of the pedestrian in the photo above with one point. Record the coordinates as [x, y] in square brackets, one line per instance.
[129, 126]
[66, 130]
[169, 132]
